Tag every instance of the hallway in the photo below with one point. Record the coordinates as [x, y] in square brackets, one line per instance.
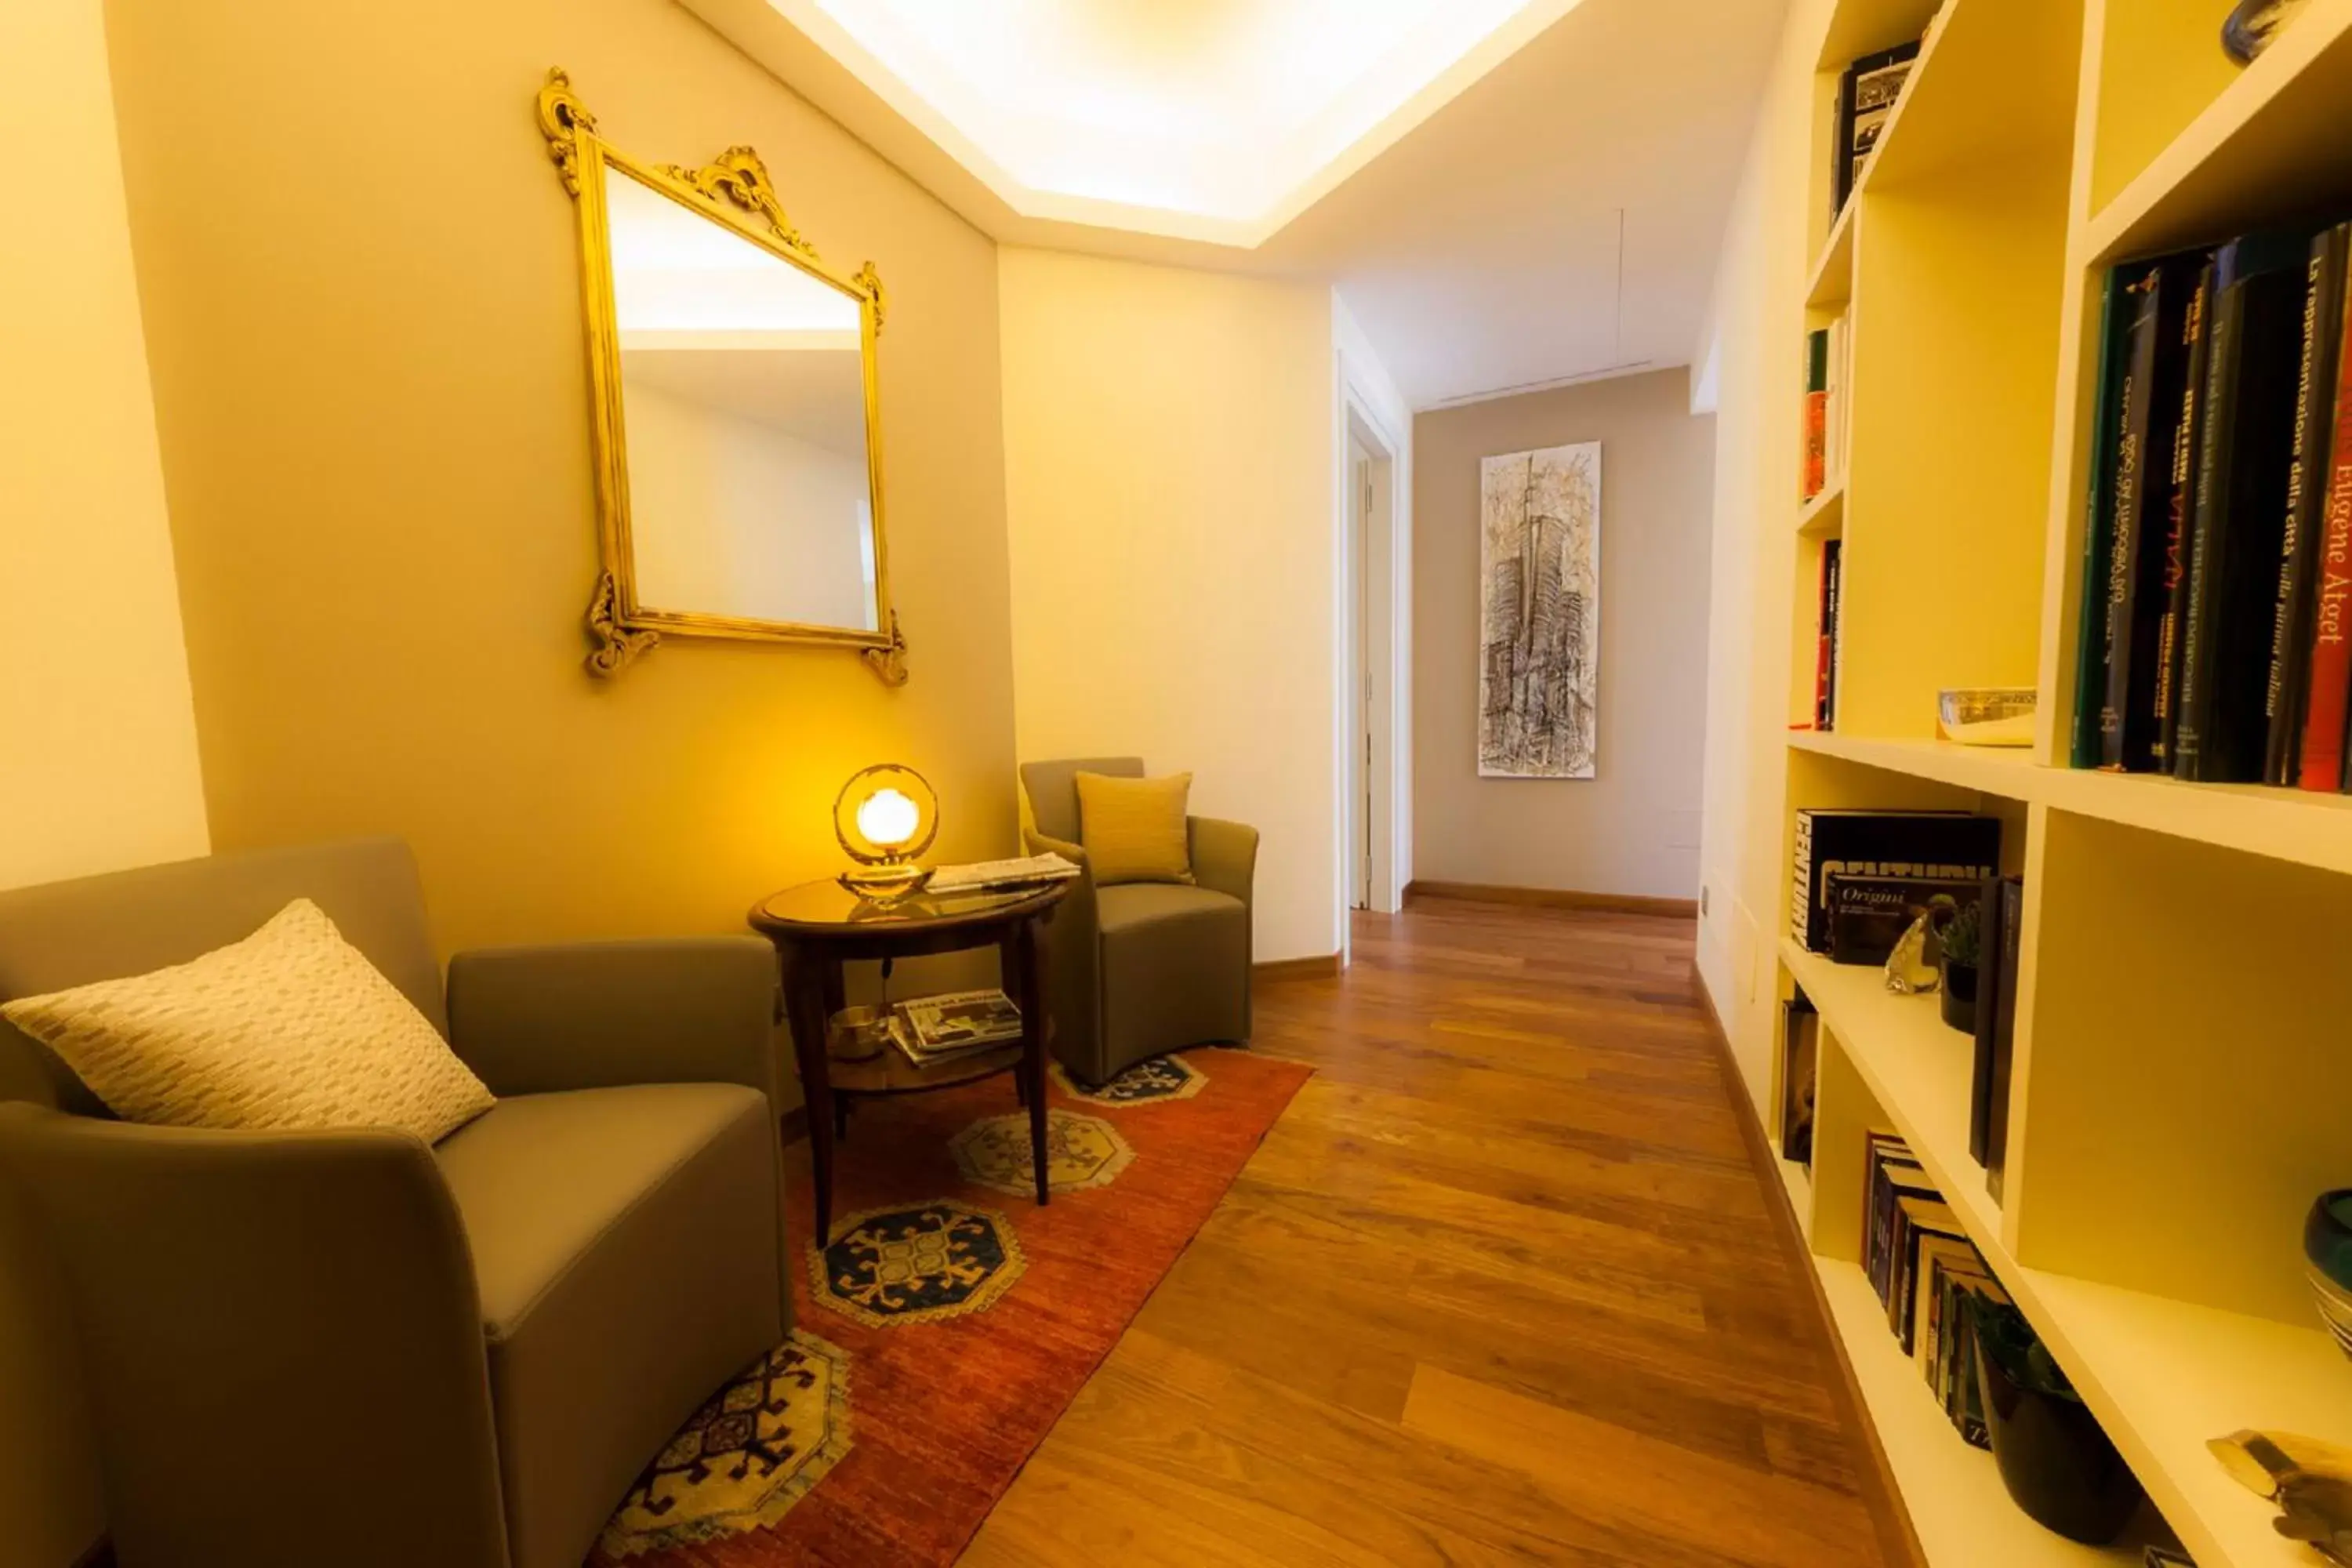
[1500, 1287]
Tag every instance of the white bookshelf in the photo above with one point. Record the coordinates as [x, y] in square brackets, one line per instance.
[2182, 1078]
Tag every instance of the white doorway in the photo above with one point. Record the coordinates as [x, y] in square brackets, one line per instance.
[1371, 695]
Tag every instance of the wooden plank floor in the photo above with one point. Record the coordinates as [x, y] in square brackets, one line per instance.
[1501, 1286]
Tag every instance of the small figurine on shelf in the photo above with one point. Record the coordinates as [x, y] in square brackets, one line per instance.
[1914, 968]
[2310, 1479]
[2253, 24]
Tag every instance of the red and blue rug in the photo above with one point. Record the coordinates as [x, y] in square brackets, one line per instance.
[952, 1321]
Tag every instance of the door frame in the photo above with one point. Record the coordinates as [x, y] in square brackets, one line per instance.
[1376, 621]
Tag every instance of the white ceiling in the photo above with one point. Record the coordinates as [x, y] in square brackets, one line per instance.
[1461, 170]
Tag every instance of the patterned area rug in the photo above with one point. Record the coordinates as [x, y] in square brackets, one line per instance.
[952, 1321]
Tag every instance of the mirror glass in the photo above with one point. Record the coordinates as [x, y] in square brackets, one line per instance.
[743, 403]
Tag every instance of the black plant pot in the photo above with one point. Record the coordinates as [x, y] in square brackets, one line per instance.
[1960, 996]
[2053, 1458]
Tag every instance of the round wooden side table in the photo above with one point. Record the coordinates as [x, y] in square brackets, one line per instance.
[819, 926]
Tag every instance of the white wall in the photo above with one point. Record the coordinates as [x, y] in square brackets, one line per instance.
[1171, 485]
[99, 769]
[1758, 337]
[1634, 829]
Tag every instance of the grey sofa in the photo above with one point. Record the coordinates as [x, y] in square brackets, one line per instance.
[1141, 968]
[347, 1347]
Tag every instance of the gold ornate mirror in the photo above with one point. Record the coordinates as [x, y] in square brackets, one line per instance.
[738, 437]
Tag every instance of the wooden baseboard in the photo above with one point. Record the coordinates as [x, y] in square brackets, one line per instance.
[1322, 968]
[1881, 1495]
[1553, 898]
[792, 1125]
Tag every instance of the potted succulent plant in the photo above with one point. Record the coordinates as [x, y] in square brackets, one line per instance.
[1963, 942]
[2053, 1458]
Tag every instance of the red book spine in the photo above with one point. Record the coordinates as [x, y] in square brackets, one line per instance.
[1817, 435]
[2330, 689]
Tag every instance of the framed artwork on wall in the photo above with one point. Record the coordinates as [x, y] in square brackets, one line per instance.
[1539, 613]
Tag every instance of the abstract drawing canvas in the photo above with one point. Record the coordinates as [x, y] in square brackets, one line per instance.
[1539, 613]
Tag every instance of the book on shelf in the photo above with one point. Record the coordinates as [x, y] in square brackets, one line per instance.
[1892, 1173]
[954, 1024]
[1996, 1041]
[2163, 298]
[1951, 846]
[2239, 519]
[1867, 92]
[2312, 432]
[1869, 914]
[1817, 407]
[1800, 1042]
[2098, 525]
[2180, 507]
[2327, 683]
[1923, 1268]
[1827, 645]
[1919, 1218]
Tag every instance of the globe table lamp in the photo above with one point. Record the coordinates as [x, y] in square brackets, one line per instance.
[886, 816]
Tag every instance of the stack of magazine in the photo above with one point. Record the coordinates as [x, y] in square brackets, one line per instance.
[1033, 870]
[928, 1030]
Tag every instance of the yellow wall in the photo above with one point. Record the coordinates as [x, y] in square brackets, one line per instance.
[1759, 334]
[1169, 441]
[363, 305]
[100, 767]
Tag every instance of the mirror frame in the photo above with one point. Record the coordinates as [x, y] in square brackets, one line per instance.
[735, 192]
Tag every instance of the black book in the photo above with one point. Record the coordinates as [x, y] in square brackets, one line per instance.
[2098, 525]
[1993, 913]
[1861, 843]
[2307, 494]
[1867, 97]
[2003, 1007]
[2180, 521]
[1832, 612]
[2155, 368]
[2243, 459]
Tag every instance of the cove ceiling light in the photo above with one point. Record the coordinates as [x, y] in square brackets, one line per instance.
[1215, 120]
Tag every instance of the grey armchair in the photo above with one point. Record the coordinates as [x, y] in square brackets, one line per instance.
[348, 1347]
[1143, 967]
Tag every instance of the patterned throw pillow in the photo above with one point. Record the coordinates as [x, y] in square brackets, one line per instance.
[291, 1027]
[1134, 829]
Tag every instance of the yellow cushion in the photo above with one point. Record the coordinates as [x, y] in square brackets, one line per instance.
[1134, 829]
[291, 1027]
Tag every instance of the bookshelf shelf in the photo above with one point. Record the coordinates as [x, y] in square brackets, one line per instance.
[2223, 1371]
[1915, 1067]
[2163, 1376]
[2301, 828]
[1832, 280]
[1824, 514]
[2268, 141]
[1959, 1510]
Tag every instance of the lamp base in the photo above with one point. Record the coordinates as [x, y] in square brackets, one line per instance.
[884, 883]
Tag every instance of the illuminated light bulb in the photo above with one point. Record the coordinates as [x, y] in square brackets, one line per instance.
[889, 819]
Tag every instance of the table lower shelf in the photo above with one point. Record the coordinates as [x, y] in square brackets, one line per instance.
[892, 1073]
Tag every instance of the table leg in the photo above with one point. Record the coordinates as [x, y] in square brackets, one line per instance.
[1034, 1032]
[805, 987]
